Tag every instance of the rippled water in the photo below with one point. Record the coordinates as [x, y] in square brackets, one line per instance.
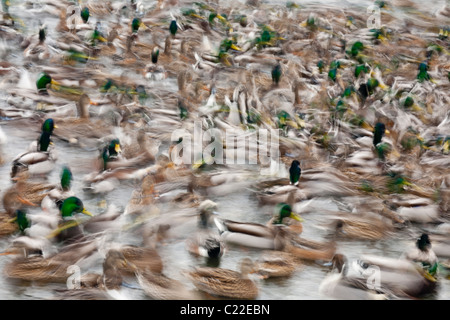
[240, 205]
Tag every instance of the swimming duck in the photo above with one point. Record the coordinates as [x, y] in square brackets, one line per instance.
[273, 264]
[206, 242]
[273, 236]
[70, 228]
[225, 282]
[44, 82]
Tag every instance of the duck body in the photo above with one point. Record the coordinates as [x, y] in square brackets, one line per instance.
[274, 264]
[225, 282]
[36, 162]
[251, 234]
[400, 276]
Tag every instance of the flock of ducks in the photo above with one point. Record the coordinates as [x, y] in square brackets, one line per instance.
[363, 119]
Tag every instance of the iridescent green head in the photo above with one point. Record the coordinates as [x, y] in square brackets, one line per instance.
[135, 24]
[357, 47]
[22, 220]
[71, 206]
[282, 211]
[48, 125]
[85, 14]
[66, 178]
[295, 172]
[43, 80]
[114, 147]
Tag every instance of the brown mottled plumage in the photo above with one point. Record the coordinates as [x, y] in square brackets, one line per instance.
[224, 282]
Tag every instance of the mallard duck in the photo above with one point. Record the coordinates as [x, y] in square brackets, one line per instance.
[38, 50]
[44, 82]
[273, 236]
[361, 226]
[70, 228]
[224, 282]
[160, 287]
[37, 162]
[48, 269]
[206, 242]
[273, 263]
[398, 276]
[93, 286]
[98, 286]
[24, 193]
[295, 172]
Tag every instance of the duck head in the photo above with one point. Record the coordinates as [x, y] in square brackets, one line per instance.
[85, 14]
[43, 82]
[71, 206]
[423, 243]
[49, 125]
[114, 148]
[379, 131]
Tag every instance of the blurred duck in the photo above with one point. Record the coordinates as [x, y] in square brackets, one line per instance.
[24, 192]
[400, 277]
[273, 236]
[70, 225]
[224, 282]
[273, 264]
[206, 242]
[105, 286]
[339, 285]
[48, 269]
[39, 162]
